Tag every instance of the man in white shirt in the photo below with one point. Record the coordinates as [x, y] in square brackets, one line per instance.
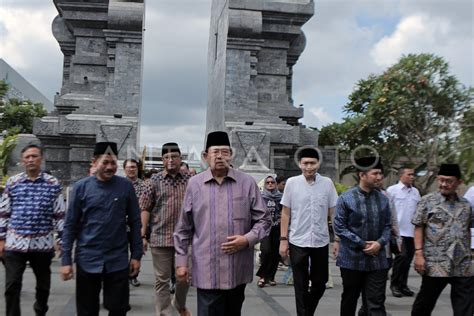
[405, 198]
[307, 202]
[469, 195]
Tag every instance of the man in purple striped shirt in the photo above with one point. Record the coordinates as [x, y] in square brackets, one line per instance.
[223, 217]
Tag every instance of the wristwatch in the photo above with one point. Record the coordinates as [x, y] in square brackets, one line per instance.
[283, 238]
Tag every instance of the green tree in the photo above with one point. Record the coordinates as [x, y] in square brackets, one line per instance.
[6, 147]
[466, 145]
[3, 91]
[16, 115]
[411, 110]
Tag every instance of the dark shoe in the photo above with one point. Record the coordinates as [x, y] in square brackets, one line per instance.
[134, 282]
[407, 292]
[396, 291]
[261, 283]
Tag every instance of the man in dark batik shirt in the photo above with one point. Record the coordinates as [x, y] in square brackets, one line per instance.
[363, 224]
[442, 246]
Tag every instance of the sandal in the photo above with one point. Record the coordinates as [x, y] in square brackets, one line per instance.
[261, 283]
[272, 283]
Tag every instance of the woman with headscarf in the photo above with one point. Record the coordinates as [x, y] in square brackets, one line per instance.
[269, 246]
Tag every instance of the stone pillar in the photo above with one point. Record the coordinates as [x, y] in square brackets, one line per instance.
[253, 47]
[100, 97]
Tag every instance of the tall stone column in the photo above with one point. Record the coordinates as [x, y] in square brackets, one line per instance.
[253, 47]
[100, 97]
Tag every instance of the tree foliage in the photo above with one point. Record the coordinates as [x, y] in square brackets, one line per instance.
[16, 115]
[6, 147]
[466, 145]
[411, 110]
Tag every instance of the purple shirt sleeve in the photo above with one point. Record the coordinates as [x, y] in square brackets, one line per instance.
[260, 218]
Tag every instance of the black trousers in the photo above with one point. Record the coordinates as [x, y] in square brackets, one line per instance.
[402, 263]
[116, 292]
[221, 302]
[309, 264]
[371, 283]
[15, 265]
[270, 256]
[462, 295]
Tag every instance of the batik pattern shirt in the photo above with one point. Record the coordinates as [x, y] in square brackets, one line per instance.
[163, 196]
[274, 207]
[361, 217]
[139, 186]
[211, 213]
[30, 211]
[447, 238]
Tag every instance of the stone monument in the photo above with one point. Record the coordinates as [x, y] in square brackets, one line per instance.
[253, 47]
[100, 98]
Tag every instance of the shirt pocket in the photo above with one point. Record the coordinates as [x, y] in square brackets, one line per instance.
[240, 206]
[240, 216]
[118, 209]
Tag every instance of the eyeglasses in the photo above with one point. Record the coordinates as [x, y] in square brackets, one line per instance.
[447, 181]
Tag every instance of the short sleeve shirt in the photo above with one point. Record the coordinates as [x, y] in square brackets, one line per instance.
[447, 237]
[405, 200]
[309, 204]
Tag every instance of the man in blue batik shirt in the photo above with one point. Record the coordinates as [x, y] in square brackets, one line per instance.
[96, 221]
[363, 224]
[32, 207]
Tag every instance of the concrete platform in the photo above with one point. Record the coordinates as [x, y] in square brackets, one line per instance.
[278, 300]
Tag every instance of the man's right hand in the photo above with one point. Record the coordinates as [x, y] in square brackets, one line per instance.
[66, 272]
[284, 249]
[182, 274]
[419, 263]
[2, 247]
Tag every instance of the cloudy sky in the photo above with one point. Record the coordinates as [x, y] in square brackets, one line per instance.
[346, 41]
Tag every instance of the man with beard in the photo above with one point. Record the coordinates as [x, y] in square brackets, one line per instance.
[363, 223]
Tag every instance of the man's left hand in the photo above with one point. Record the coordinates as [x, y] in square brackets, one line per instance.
[235, 243]
[372, 248]
[134, 267]
[57, 248]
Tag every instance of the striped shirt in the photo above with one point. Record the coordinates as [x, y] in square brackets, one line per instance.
[163, 196]
[211, 213]
[30, 210]
[361, 217]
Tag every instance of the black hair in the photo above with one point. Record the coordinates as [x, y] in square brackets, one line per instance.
[32, 146]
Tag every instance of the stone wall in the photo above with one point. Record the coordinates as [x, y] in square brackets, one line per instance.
[253, 47]
[100, 97]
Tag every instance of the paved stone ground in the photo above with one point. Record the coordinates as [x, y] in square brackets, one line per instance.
[278, 300]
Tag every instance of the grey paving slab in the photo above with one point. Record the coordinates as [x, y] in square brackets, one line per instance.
[278, 300]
